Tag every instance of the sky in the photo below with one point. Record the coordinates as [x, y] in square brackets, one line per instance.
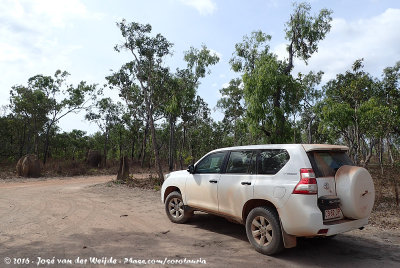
[42, 36]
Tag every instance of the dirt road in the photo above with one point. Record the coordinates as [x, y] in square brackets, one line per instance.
[85, 218]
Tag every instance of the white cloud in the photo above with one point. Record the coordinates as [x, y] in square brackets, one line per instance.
[216, 53]
[204, 7]
[30, 34]
[375, 39]
[27, 28]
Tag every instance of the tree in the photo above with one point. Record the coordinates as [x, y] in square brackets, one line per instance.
[304, 31]
[182, 91]
[270, 92]
[107, 116]
[263, 79]
[309, 104]
[148, 53]
[232, 104]
[136, 117]
[46, 100]
[390, 95]
[31, 106]
[344, 109]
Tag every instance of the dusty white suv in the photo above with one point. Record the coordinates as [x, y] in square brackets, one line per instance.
[280, 192]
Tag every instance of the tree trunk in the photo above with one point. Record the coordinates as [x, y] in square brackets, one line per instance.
[47, 143]
[120, 142]
[182, 147]
[381, 155]
[123, 172]
[309, 125]
[105, 147]
[171, 143]
[389, 145]
[132, 148]
[143, 153]
[280, 116]
[369, 155]
[147, 99]
[154, 142]
[289, 67]
[294, 128]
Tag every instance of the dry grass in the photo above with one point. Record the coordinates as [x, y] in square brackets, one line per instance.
[386, 212]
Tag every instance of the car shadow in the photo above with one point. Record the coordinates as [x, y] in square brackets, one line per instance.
[344, 250]
[219, 225]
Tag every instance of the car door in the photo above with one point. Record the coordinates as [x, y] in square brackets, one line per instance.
[235, 186]
[270, 183]
[202, 185]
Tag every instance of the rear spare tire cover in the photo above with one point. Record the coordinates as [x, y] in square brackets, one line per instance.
[355, 188]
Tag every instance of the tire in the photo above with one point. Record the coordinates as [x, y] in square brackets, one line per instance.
[355, 188]
[176, 211]
[264, 231]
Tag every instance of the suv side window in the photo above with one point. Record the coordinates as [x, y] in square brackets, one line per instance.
[241, 162]
[211, 163]
[271, 161]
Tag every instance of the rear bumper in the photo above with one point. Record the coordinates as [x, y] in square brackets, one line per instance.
[344, 226]
[301, 217]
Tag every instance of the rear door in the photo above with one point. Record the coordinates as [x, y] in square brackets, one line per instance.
[325, 164]
[235, 186]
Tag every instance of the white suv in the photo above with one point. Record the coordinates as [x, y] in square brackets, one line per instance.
[279, 192]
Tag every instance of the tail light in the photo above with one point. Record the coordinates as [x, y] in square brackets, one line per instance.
[307, 183]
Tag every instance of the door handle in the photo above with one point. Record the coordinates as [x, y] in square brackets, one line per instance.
[246, 183]
[213, 181]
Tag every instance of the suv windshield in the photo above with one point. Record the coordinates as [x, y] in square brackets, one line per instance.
[326, 163]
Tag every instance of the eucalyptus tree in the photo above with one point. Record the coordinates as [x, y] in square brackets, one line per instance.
[107, 115]
[183, 100]
[47, 99]
[232, 105]
[147, 53]
[311, 97]
[10, 137]
[390, 94]
[136, 117]
[30, 106]
[271, 93]
[347, 108]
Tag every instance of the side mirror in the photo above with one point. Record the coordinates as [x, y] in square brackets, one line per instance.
[190, 169]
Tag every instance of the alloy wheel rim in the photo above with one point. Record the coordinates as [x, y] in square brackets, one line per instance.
[175, 208]
[261, 230]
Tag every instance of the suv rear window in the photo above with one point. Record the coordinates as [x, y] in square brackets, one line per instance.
[326, 163]
[271, 161]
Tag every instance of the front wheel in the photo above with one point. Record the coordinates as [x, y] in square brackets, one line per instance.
[264, 231]
[176, 211]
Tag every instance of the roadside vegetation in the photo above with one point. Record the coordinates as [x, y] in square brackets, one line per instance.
[160, 123]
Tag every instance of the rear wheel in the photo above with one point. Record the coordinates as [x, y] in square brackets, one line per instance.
[263, 230]
[176, 211]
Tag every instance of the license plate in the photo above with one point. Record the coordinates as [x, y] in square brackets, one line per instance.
[332, 213]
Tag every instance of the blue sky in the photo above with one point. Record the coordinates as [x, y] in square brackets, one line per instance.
[41, 36]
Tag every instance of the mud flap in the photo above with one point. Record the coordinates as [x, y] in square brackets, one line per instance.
[289, 241]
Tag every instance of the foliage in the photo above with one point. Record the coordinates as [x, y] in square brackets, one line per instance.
[160, 119]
